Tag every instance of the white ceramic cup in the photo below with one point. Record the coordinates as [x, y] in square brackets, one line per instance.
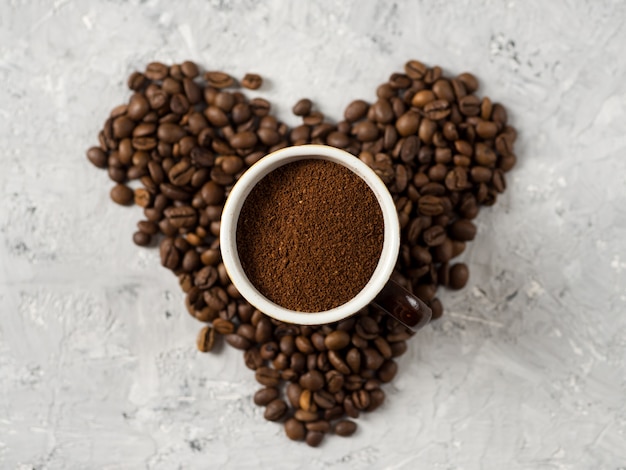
[379, 290]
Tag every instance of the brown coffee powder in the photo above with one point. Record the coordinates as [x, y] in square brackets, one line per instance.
[309, 235]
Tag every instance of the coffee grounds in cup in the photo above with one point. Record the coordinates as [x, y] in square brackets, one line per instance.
[310, 235]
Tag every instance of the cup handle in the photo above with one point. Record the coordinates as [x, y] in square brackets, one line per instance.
[398, 302]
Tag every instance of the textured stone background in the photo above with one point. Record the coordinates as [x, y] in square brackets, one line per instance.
[98, 367]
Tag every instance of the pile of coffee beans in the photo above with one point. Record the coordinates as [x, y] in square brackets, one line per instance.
[188, 136]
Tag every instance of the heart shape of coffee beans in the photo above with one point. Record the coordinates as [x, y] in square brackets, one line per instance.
[187, 137]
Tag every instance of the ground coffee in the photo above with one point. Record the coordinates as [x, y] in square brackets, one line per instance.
[310, 235]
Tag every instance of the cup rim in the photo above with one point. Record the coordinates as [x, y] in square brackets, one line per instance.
[230, 217]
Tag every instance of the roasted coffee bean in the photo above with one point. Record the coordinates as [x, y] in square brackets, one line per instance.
[334, 381]
[430, 205]
[252, 81]
[302, 107]
[260, 107]
[387, 371]
[398, 348]
[498, 181]
[181, 216]
[356, 110]
[485, 155]
[136, 81]
[312, 380]
[408, 123]
[314, 438]
[222, 326]
[97, 157]
[304, 345]
[321, 425]
[306, 416]
[293, 392]
[219, 79]
[353, 359]
[462, 230]
[239, 342]
[469, 81]
[367, 328]
[337, 340]
[265, 395]
[338, 363]
[434, 235]
[266, 375]
[324, 399]
[156, 71]
[456, 179]
[345, 428]
[206, 339]
[372, 358]
[275, 410]
[247, 331]
[415, 69]
[377, 397]
[122, 194]
[469, 105]
[142, 239]
[459, 274]
[438, 109]
[295, 429]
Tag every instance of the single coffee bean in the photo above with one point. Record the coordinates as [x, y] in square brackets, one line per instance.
[485, 155]
[498, 181]
[334, 381]
[275, 410]
[142, 238]
[345, 428]
[293, 393]
[459, 274]
[434, 235]
[122, 194]
[266, 375]
[97, 157]
[430, 205]
[387, 371]
[436, 110]
[306, 416]
[219, 79]
[321, 425]
[222, 326]
[314, 438]
[469, 81]
[408, 123]
[462, 230]
[295, 429]
[338, 363]
[302, 107]
[312, 380]
[377, 397]
[156, 71]
[415, 69]
[356, 110]
[239, 342]
[469, 105]
[252, 81]
[206, 339]
[136, 81]
[398, 348]
[324, 399]
[337, 340]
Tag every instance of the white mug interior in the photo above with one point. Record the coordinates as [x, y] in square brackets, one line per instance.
[230, 217]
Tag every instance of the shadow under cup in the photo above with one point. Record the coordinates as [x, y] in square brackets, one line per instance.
[379, 290]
